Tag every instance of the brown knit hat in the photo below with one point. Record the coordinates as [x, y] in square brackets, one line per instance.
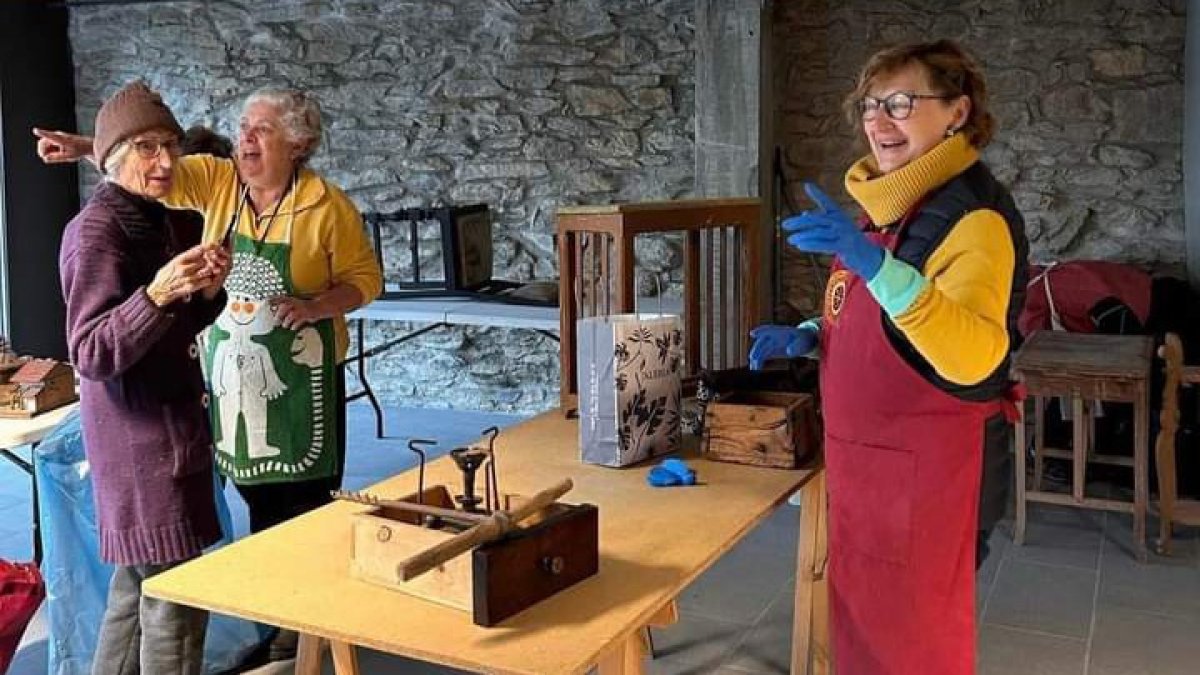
[133, 109]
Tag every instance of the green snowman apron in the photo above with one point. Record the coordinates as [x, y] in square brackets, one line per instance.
[272, 388]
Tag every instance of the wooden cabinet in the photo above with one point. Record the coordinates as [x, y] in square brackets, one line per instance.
[721, 271]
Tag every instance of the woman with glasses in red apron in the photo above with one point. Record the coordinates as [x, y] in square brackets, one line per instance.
[918, 323]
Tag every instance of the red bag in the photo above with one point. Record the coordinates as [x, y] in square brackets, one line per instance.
[21, 591]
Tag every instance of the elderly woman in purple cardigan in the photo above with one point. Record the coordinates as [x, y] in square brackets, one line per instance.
[138, 288]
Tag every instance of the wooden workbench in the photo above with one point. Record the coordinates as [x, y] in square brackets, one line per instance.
[653, 543]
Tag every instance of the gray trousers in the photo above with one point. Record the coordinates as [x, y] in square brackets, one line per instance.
[146, 635]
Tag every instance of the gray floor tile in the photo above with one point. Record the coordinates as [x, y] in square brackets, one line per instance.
[781, 528]
[1044, 598]
[698, 640]
[1162, 585]
[982, 590]
[1185, 541]
[768, 646]
[744, 582]
[1054, 514]
[732, 592]
[1070, 544]
[1008, 651]
[999, 546]
[1135, 643]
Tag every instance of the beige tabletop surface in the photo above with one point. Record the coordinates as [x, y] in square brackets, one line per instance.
[653, 543]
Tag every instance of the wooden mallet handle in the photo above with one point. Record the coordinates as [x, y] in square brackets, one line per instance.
[495, 526]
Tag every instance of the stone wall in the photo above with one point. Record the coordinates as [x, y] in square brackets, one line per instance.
[522, 104]
[1089, 97]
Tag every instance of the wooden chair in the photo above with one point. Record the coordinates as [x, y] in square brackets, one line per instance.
[1172, 510]
[721, 270]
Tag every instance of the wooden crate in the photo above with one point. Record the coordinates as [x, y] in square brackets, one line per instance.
[773, 429]
[550, 551]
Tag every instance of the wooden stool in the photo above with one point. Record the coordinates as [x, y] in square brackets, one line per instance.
[1084, 368]
[1170, 509]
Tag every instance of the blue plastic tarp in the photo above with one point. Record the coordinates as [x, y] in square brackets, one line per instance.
[76, 578]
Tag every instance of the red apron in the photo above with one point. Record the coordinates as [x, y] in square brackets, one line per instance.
[903, 461]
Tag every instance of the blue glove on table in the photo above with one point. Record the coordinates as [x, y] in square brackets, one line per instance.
[776, 342]
[671, 472]
[828, 229]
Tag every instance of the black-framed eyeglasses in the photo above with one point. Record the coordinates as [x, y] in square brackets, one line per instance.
[898, 105]
[147, 148]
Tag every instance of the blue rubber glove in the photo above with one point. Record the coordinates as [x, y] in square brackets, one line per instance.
[660, 477]
[828, 229]
[777, 342]
[671, 472]
[685, 473]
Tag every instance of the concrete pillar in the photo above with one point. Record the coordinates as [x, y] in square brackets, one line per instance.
[734, 113]
[1191, 146]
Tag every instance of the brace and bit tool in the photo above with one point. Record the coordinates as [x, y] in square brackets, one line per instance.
[491, 487]
[492, 527]
[412, 445]
[463, 517]
[469, 460]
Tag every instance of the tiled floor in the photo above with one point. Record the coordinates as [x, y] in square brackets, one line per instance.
[1072, 601]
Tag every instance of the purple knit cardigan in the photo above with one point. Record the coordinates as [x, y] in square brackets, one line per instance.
[145, 429]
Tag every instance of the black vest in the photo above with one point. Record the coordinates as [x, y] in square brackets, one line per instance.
[974, 189]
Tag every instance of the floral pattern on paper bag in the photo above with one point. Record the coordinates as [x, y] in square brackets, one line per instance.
[648, 391]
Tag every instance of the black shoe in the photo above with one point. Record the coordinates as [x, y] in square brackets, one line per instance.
[283, 646]
[253, 660]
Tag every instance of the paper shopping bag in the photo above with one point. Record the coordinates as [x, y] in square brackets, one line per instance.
[629, 369]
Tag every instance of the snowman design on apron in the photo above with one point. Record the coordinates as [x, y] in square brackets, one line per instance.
[268, 382]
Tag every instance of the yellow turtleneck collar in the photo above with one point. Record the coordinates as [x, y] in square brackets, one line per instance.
[887, 197]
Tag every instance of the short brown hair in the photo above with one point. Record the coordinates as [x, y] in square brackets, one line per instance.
[951, 71]
[200, 140]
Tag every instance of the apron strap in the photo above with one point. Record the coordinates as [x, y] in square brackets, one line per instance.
[1008, 404]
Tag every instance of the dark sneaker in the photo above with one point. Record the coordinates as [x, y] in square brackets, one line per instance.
[283, 646]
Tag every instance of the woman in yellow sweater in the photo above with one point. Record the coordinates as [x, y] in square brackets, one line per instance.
[919, 320]
[301, 261]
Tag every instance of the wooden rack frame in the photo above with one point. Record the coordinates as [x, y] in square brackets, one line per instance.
[720, 274]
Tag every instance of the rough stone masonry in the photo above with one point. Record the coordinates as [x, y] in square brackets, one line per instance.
[1089, 97]
[520, 104]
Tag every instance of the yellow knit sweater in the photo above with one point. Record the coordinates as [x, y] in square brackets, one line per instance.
[957, 318]
[329, 245]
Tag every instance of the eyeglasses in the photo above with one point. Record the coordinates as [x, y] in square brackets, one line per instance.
[898, 105]
[150, 149]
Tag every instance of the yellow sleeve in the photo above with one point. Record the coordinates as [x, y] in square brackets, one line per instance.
[352, 260]
[195, 179]
[958, 322]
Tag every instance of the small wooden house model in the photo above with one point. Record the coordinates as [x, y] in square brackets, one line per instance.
[36, 386]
